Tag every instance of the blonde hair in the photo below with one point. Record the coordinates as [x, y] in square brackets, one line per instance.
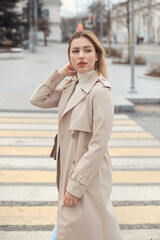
[100, 65]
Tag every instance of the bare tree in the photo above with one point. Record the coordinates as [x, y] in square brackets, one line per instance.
[43, 26]
[123, 17]
[128, 29]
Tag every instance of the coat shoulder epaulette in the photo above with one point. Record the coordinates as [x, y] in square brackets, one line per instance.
[104, 81]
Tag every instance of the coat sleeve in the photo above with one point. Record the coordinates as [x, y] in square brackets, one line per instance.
[85, 170]
[46, 95]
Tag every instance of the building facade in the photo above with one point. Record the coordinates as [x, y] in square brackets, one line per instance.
[51, 12]
[146, 21]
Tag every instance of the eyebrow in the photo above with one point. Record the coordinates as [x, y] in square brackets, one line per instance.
[84, 47]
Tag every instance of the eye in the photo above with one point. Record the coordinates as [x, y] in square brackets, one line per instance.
[88, 50]
[75, 51]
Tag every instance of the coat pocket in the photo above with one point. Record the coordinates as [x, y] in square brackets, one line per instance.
[54, 148]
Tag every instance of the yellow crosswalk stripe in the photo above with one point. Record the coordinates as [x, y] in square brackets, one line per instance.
[27, 176]
[55, 121]
[27, 133]
[136, 176]
[131, 135]
[135, 152]
[47, 215]
[138, 214]
[29, 120]
[36, 176]
[51, 134]
[114, 152]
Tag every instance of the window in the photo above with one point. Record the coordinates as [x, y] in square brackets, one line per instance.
[46, 13]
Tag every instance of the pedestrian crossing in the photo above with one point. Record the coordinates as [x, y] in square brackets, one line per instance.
[28, 193]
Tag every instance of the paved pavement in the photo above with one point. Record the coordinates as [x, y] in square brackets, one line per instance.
[150, 52]
[148, 117]
[28, 194]
[20, 77]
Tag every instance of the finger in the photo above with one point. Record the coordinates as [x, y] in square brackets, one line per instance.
[75, 201]
[64, 201]
[67, 203]
[71, 203]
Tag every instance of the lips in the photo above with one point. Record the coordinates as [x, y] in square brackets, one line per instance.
[81, 63]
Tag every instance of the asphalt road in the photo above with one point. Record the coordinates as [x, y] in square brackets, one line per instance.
[148, 117]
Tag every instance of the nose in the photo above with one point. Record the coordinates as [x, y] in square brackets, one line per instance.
[81, 55]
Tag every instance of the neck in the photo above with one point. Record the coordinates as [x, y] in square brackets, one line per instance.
[84, 76]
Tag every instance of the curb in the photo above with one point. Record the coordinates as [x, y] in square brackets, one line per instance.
[148, 77]
[145, 101]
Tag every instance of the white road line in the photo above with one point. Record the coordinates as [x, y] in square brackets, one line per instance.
[48, 115]
[49, 142]
[36, 162]
[41, 193]
[135, 193]
[138, 163]
[4, 126]
[50, 163]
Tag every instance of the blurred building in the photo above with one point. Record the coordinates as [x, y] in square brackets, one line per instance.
[147, 21]
[51, 12]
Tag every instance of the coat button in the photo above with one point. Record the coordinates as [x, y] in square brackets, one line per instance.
[74, 135]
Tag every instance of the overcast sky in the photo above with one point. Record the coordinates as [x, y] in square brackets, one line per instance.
[68, 7]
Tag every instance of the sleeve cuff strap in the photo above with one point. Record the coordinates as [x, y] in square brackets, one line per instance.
[81, 179]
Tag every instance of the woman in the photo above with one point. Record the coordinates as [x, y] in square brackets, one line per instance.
[85, 110]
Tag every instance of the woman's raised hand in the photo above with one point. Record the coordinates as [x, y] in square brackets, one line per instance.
[67, 70]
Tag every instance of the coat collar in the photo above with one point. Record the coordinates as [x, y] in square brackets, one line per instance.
[85, 89]
[90, 82]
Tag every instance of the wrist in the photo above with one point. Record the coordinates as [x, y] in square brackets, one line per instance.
[63, 72]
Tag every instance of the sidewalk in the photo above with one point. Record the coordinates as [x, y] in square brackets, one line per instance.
[20, 77]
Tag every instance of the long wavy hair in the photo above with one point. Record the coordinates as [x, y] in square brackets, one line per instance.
[100, 65]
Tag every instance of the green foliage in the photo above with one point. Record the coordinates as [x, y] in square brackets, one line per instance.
[11, 26]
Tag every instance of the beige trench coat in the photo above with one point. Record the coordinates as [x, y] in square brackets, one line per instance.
[83, 162]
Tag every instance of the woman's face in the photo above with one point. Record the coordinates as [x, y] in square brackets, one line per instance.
[83, 55]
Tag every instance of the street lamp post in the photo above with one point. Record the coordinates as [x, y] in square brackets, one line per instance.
[101, 21]
[35, 21]
[30, 25]
[76, 22]
[132, 45]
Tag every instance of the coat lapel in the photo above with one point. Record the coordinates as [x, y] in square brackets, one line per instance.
[67, 93]
[85, 88]
[74, 101]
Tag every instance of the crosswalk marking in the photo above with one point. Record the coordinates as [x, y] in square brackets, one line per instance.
[45, 151]
[46, 215]
[53, 127]
[28, 175]
[54, 121]
[50, 176]
[46, 142]
[49, 193]
[49, 133]
[43, 163]
[47, 115]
